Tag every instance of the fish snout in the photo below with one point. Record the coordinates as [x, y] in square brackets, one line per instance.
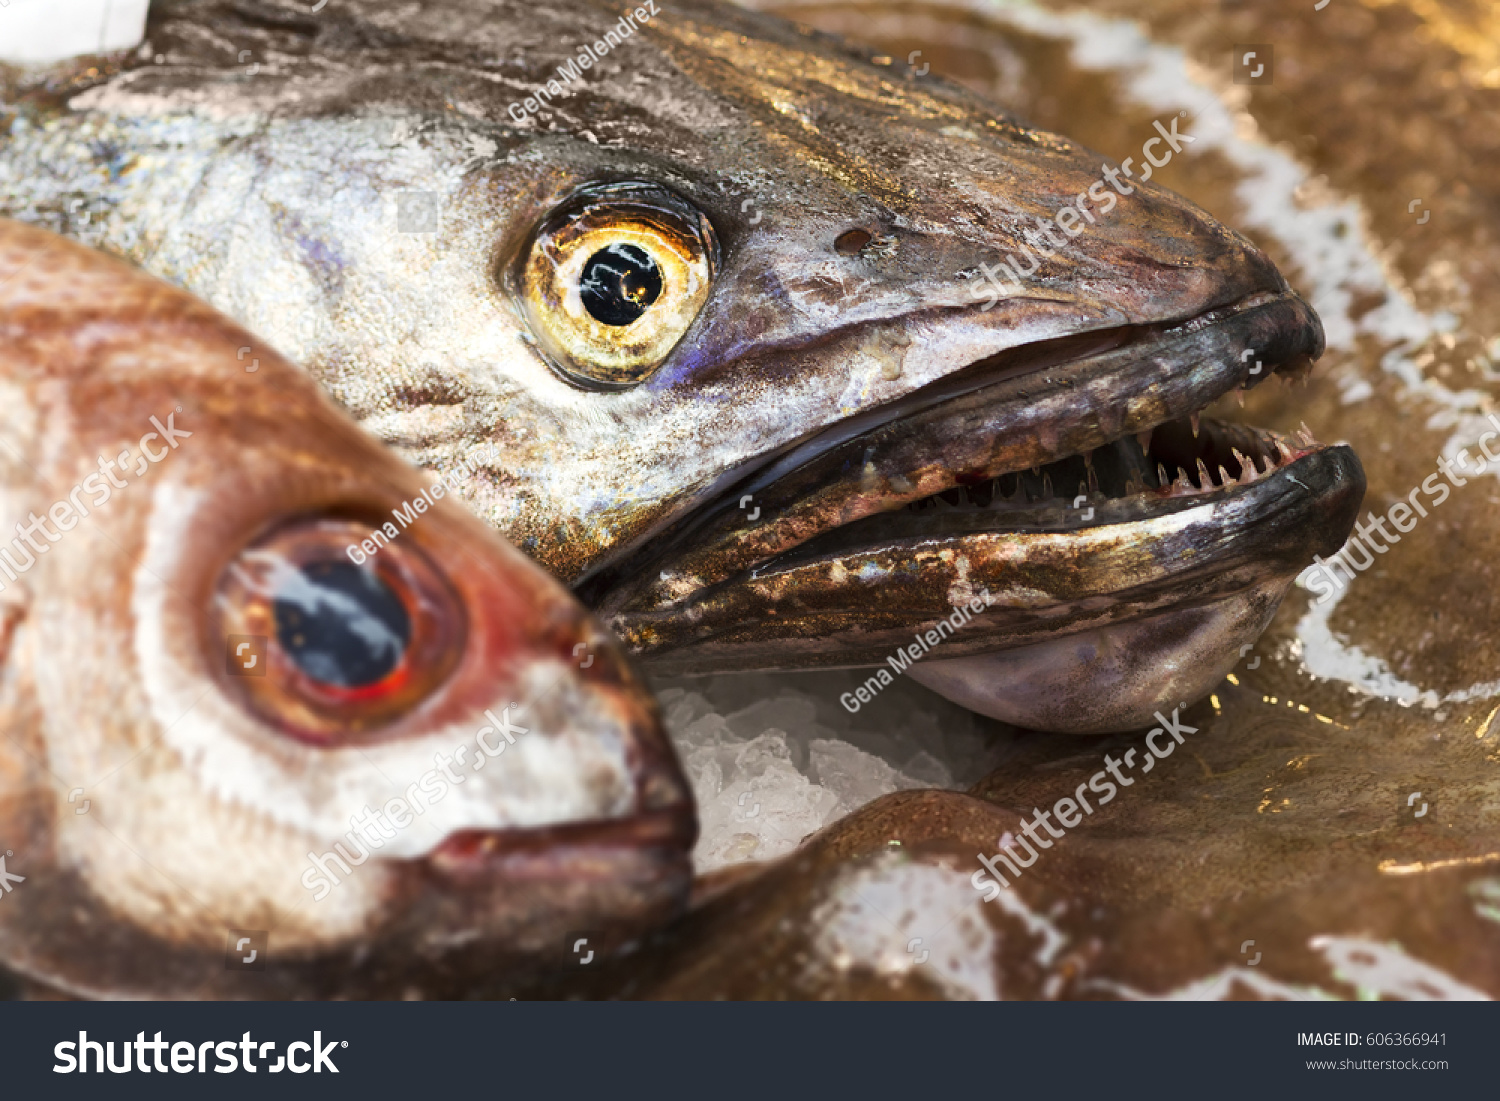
[615, 866]
[1065, 225]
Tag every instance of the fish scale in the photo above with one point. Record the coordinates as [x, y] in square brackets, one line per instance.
[399, 269]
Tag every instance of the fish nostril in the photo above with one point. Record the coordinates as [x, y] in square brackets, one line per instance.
[851, 241]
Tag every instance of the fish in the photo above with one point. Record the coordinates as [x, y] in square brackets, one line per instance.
[727, 299]
[281, 719]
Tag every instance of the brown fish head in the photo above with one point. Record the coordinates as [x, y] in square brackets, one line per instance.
[281, 720]
[790, 353]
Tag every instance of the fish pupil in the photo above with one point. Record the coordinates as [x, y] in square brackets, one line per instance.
[341, 624]
[620, 282]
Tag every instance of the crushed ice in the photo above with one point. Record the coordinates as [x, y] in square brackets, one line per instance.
[773, 757]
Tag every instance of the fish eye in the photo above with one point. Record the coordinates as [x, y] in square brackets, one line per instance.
[613, 279]
[343, 646]
[341, 624]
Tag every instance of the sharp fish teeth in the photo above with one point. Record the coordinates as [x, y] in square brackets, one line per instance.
[1247, 468]
[1283, 455]
[1161, 476]
[1195, 421]
[1239, 396]
[1203, 479]
[1224, 478]
[1144, 439]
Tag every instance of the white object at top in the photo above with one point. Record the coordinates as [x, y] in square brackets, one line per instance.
[39, 31]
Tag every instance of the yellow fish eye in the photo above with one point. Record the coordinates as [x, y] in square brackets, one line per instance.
[613, 279]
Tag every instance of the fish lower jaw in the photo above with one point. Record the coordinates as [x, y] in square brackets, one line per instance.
[1110, 678]
[1033, 578]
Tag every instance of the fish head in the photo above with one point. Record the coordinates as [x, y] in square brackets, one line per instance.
[791, 354]
[263, 683]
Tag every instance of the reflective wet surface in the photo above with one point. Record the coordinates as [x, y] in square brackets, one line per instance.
[1325, 824]
[1330, 826]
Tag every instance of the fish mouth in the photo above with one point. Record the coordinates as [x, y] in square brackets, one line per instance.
[609, 881]
[653, 842]
[1076, 482]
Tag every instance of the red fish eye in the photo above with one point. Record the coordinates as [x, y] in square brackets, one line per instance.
[349, 645]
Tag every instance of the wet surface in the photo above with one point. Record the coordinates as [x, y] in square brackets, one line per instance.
[1330, 829]
[1329, 826]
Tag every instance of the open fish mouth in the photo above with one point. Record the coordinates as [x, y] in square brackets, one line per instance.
[1123, 545]
[733, 459]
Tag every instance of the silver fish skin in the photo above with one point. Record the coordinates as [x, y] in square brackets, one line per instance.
[823, 434]
[197, 746]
